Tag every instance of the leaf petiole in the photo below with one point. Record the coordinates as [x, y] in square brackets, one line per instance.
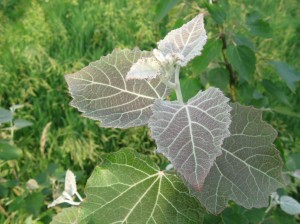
[177, 84]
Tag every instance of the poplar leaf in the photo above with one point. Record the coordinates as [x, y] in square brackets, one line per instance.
[5, 116]
[249, 169]
[186, 41]
[290, 205]
[145, 68]
[102, 93]
[130, 188]
[67, 216]
[190, 135]
[70, 183]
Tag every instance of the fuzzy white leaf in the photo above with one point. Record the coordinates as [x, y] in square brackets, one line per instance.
[145, 68]
[190, 135]
[61, 199]
[290, 205]
[101, 91]
[186, 41]
[70, 183]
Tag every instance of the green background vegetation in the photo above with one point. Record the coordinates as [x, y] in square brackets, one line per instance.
[41, 41]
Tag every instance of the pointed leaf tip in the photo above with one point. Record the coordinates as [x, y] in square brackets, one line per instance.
[186, 41]
[70, 183]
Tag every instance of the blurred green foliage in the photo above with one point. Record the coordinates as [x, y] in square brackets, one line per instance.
[252, 55]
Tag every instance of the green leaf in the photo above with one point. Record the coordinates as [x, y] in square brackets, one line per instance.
[243, 60]
[275, 91]
[34, 203]
[8, 151]
[67, 216]
[210, 218]
[242, 40]
[250, 167]
[217, 13]
[219, 77]
[258, 26]
[279, 217]
[130, 188]
[164, 7]
[5, 115]
[287, 73]
[190, 86]
[285, 111]
[255, 215]
[211, 50]
[230, 216]
[20, 123]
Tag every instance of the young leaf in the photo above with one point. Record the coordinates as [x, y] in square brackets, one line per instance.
[145, 68]
[101, 92]
[249, 169]
[69, 191]
[67, 216]
[217, 12]
[5, 116]
[20, 123]
[289, 205]
[190, 135]
[287, 73]
[70, 183]
[130, 188]
[258, 26]
[186, 41]
[243, 60]
[163, 8]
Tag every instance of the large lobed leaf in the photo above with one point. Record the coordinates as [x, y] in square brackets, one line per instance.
[101, 91]
[186, 41]
[130, 188]
[190, 135]
[249, 169]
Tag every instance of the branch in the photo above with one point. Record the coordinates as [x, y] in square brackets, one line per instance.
[232, 76]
